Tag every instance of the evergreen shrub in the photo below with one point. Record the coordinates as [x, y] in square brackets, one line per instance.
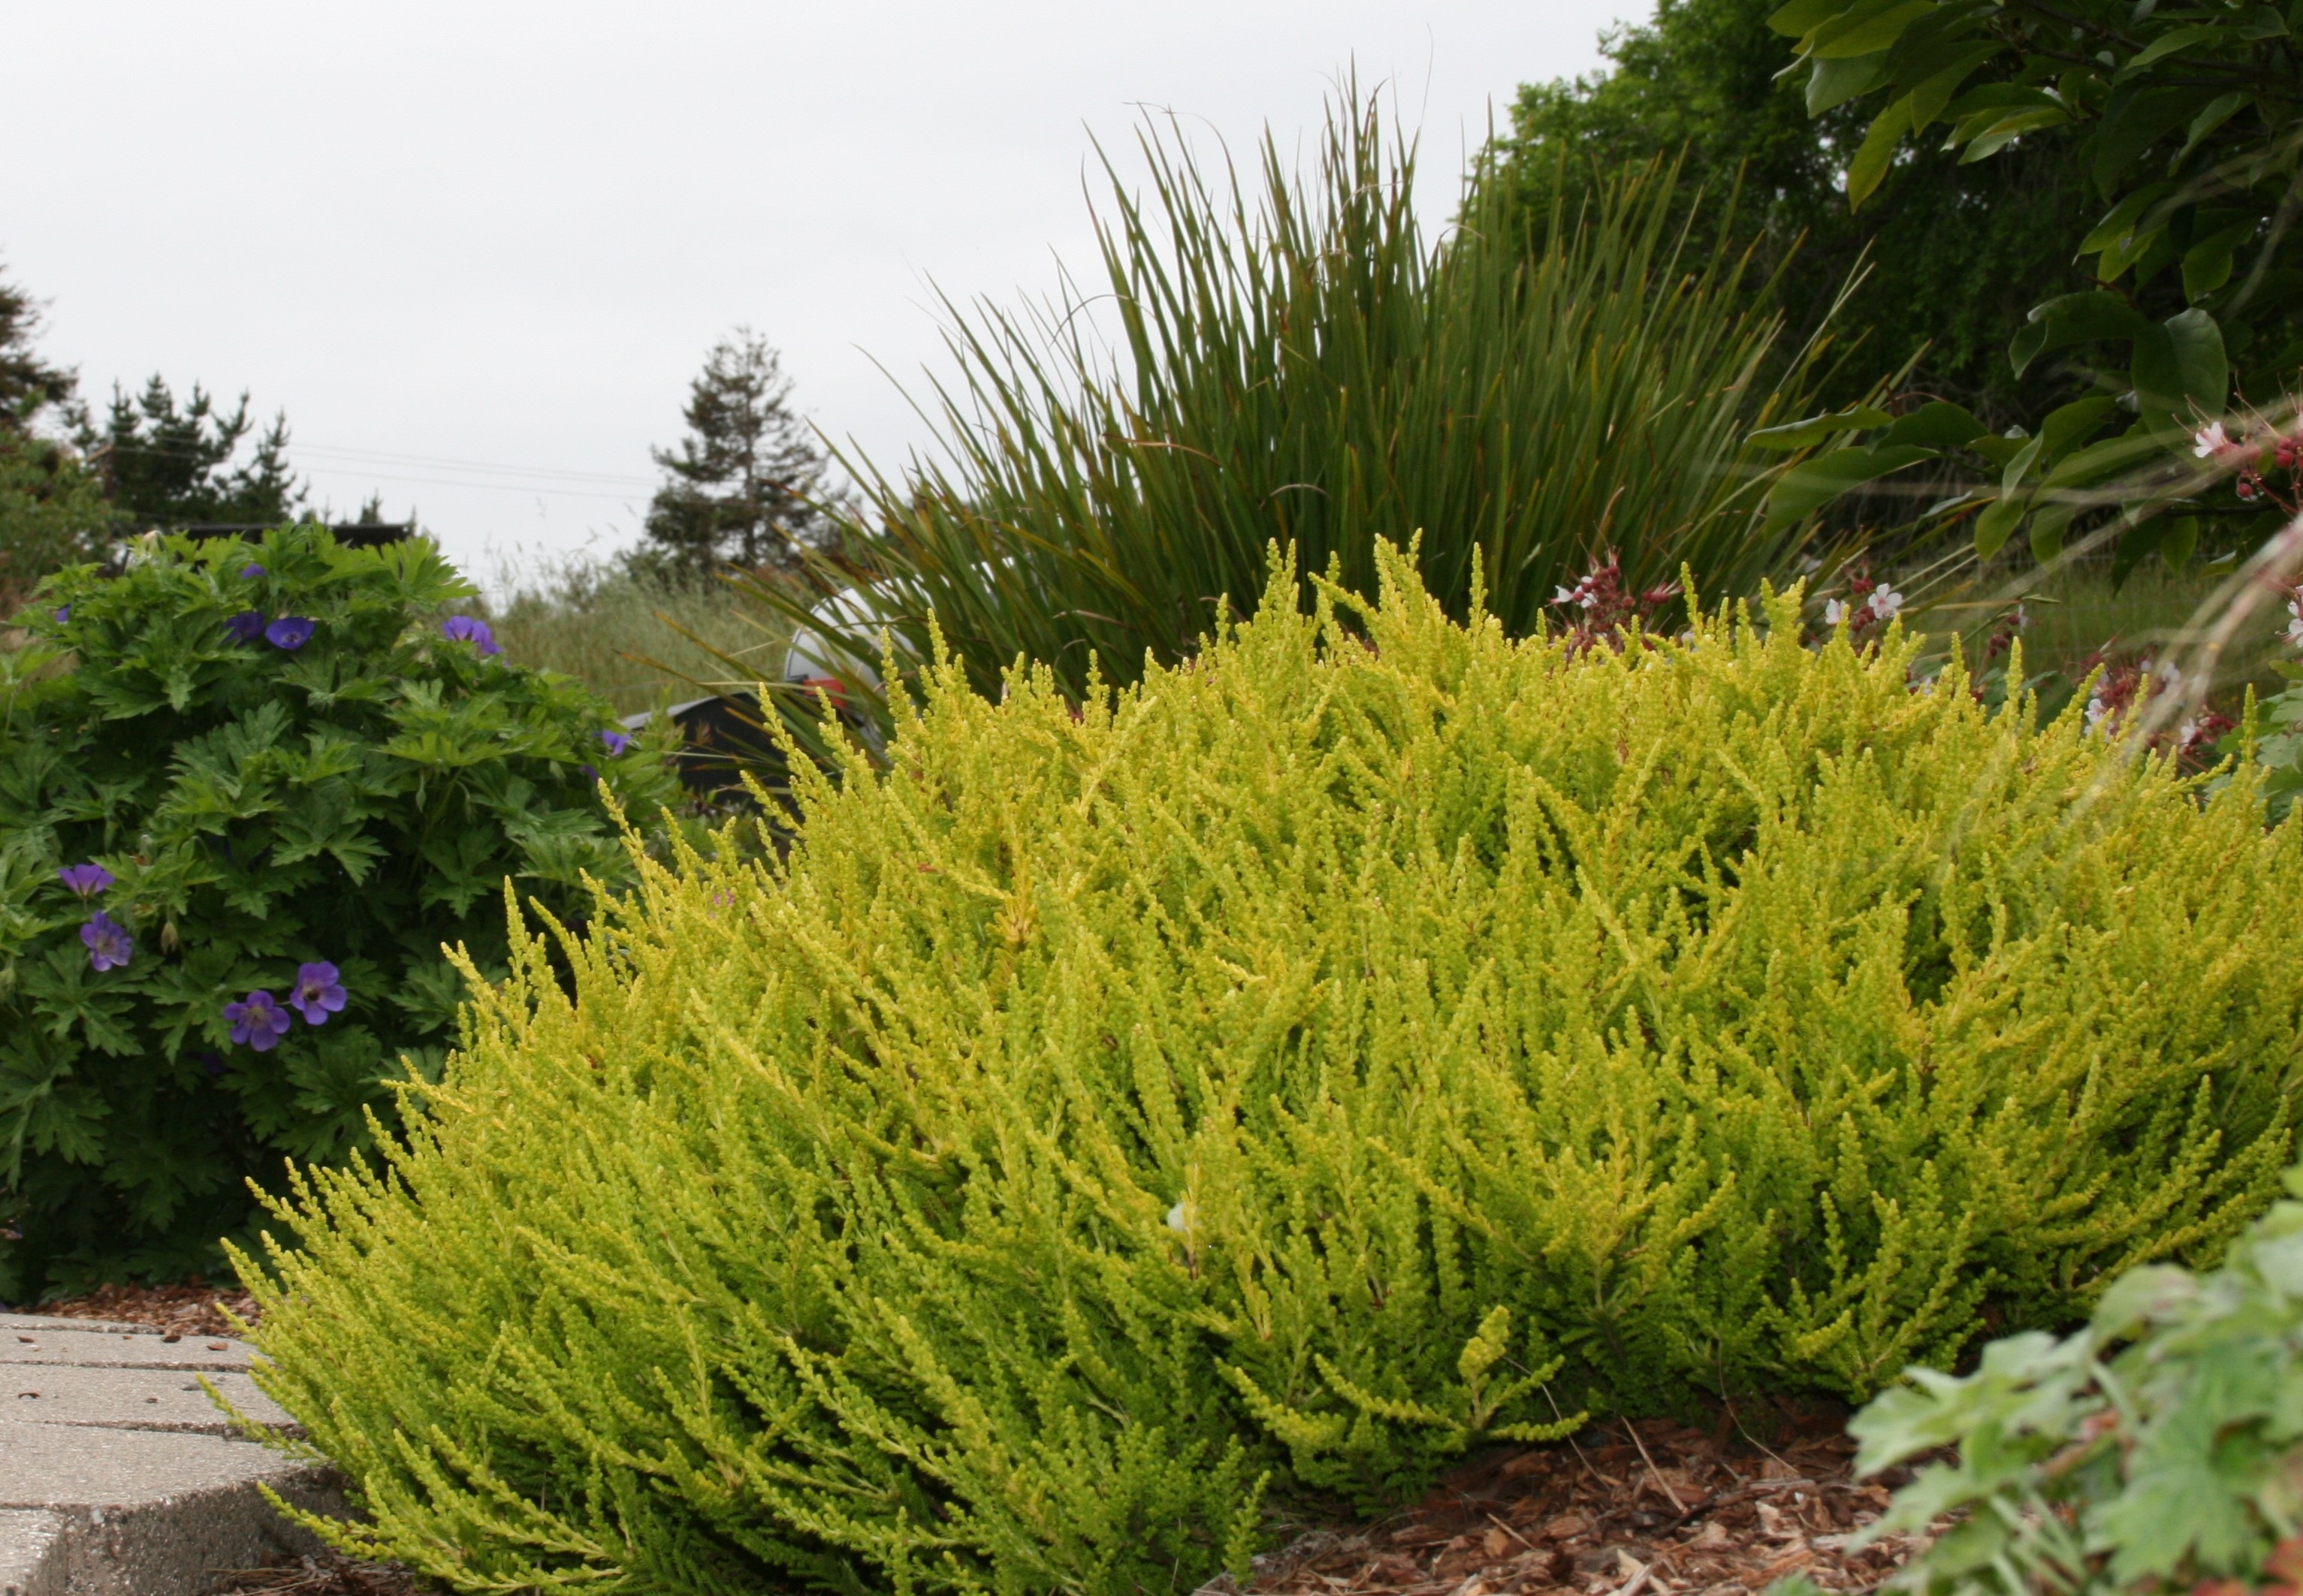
[240, 768]
[1373, 1038]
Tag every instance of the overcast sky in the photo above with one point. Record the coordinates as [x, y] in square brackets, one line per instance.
[502, 236]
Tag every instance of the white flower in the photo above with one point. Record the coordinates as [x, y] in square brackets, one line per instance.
[1179, 1217]
[2187, 733]
[1565, 596]
[2210, 439]
[2022, 618]
[1832, 610]
[2095, 712]
[1886, 601]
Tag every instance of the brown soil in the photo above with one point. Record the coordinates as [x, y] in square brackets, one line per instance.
[188, 1310]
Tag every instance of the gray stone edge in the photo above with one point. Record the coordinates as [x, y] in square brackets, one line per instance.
[180, 1546]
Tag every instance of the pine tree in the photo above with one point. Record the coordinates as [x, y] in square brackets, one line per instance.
[28, 383]
[166, 467]
[744, 486]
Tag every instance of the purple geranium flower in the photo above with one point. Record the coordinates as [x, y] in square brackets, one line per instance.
[246, 627]
[251, 570]
[617, 743]
[290, 632]
[109, 947]
[85, 879]
[463, 629]
[316, 994]
[63, 613]
[260, 1022]
[589, 773]
[211, 1061]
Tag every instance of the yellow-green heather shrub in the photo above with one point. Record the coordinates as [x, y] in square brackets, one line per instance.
[1364, 1042]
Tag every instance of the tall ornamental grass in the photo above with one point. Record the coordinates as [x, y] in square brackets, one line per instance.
[1355, 1046]
[1302, 363]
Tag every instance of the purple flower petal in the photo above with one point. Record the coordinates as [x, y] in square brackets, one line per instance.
[617, 743]
[252, 571]
[290, 632]
[257, 1023]
[63, 613]
[85, 879]
[109, 945]
[246, 627]
[463, 629]
[317, 995]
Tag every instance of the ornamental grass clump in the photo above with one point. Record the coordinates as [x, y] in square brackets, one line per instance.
[243, 802]
[1374, 1038]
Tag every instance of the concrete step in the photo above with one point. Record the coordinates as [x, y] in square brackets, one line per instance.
[120, 1477]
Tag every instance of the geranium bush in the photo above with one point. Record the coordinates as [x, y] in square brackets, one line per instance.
[1372, 1039]
[247, 791]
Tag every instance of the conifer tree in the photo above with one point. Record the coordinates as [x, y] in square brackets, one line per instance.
[169, 466]
[743, 486]
[28, 383]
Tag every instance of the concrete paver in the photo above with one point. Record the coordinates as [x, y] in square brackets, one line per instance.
[120, 1477]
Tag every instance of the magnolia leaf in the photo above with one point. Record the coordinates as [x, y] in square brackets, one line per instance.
[1801, 17]
[1809, 485]
[1933, 92]
[1878, 151]
[2121, 219]
[1870, 25]
[2068, 425]
[2074, 319]
[2207, 264]
[1834, 81]
[1939, 425]
[1800, 435]
[2217, 112]
[1993, 526]
[2165, 46]
[2008, 129]
[2180, 371]
[2047, 532]
[2107, 458]
[2136, 123]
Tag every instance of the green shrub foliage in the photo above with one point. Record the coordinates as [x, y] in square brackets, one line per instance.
[240, 768]
[1375, 1037]
[2160, 1447]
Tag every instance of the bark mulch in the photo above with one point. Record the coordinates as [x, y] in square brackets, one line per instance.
[328, 1575]
[1619, 1510]
[188, 1310]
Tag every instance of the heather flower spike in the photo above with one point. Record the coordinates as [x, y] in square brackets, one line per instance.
[109, 945]
[463, 629]
[316, 994]
[260, 1023]
[246, 627]
[290, 632]
[85, 879]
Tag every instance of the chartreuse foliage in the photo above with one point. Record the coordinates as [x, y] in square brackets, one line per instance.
[346, 790]
[2160, 1446]
[1355, 1044]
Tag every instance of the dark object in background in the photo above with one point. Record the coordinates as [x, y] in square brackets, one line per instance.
[721, 737]
[352, 534]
